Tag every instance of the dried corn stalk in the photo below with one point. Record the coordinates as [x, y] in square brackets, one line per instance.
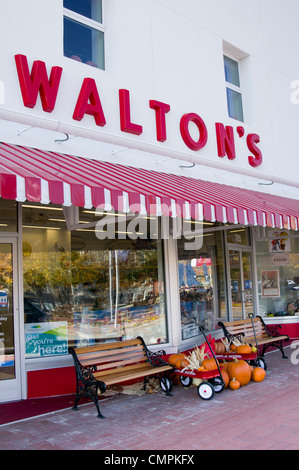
[195, 358]
[226, 343]
[236, 342]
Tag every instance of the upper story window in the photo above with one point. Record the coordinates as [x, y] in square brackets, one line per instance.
[233, 88]
[84, 31]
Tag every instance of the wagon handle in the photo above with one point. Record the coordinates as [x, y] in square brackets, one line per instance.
[257, 349]
[208, 343]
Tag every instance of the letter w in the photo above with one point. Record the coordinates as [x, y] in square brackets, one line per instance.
[38, 82]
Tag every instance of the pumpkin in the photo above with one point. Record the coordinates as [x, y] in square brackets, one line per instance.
[240, 370]
[225, 377]
[234, 384]
[175, 359]
[182, 363]
[224, 365]
[209, 363]
[233, 347]
[219, 348]
[244, 349]
[258, 374]
[172, 358]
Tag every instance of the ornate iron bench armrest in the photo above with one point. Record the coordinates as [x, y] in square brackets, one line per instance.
[228, 335]
[272, 330]
[85, 373]
[155, 358]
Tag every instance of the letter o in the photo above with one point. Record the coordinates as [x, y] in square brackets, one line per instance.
[184, 128]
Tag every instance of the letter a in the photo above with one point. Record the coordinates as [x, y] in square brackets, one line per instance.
[89, 103]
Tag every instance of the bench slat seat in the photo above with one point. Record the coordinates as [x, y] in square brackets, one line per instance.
[262, 334]
[106, 364]
[132, 374]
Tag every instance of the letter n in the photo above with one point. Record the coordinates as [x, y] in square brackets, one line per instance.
[38, 82]
[89, 103]
[225, 141]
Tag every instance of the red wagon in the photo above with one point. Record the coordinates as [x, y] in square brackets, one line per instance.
[212, 381]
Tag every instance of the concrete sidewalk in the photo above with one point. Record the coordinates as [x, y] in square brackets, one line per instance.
[260, 416]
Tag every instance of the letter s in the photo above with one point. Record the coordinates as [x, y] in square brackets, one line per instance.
[255, 161]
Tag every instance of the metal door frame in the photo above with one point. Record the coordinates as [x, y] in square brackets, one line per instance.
[13, 389]
[241, 249]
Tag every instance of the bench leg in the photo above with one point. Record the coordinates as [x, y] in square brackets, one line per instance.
[277, 345]
[75, 407]
[282, 351]
[90, 392]
[145, 381]
[96, 402]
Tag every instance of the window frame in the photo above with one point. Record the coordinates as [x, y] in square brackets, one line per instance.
[85, 21]
[231, 86]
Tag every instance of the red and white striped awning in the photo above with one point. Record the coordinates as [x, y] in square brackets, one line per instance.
[50, 177]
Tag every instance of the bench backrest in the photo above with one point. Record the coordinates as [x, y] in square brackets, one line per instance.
[109, 356]
[244, 328]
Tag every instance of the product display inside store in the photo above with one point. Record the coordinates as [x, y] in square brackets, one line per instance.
[86, 289]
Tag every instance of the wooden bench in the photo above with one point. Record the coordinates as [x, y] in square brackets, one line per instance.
[105, 364]
[261, 335]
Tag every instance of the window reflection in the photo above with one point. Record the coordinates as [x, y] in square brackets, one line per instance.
[201, 283]
[103, 289]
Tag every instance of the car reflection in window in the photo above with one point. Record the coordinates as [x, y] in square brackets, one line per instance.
[34, 314]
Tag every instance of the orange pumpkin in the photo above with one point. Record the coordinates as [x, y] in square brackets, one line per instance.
[182, 363]
[234, 384]
[219, 348]
[258, 374]
[172, 358]
[175, 359]
[233, 347]
[224, 365]
[240, 370]
[225, 377]
[244, 349]
[210, 363]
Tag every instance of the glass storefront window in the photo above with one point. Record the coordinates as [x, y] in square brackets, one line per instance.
[88, 290]
[201, 283]
[277, 258]
[8, 218]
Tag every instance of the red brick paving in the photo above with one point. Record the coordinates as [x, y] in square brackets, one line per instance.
[260, 416]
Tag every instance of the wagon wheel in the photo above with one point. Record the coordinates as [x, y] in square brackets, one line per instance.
[206, 391]
[166, 384]
[186, 381]
[260, 362]
[218, 384]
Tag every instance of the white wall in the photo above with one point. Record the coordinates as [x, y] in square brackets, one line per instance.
[171, 51]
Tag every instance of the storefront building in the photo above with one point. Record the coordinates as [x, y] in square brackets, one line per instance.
[148, 180]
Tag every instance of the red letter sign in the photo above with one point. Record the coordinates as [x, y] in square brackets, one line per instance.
[38, 82]
[89, 103]
[225, 141]
[255, 161]
[203, 133]
[161, 109]
[125, 114]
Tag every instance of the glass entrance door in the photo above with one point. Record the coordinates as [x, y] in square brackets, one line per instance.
[10, 388]
[240, 283]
